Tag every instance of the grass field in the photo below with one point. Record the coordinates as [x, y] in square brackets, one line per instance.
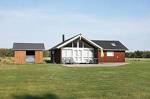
[48, 81]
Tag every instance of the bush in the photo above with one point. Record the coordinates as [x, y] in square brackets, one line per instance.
[6, 60]
[46, 53]
[138, 54]
[48, 61]
[6, 52]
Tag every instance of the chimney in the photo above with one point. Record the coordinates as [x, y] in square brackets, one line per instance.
[63, 38]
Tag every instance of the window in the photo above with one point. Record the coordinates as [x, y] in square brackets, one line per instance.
[80, 44]
[86, 45]
[74, 44]
[110, 53]
[69, 45]
[66, 53]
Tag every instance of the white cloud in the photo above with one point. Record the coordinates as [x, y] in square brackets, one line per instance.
[39, 25]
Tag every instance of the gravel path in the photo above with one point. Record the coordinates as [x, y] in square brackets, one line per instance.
[96, 65]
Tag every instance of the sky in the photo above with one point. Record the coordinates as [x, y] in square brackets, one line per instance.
[44, 21]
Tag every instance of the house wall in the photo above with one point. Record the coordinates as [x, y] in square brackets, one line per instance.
[56, 56]
[96, 55]
[119, 56]
[20, 57]
[38, 57]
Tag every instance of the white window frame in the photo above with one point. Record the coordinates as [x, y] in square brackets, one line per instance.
[76, 56]
[110, 54]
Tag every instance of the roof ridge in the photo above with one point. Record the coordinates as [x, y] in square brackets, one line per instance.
[28, 46]
[105, 40]
[66, 40]
[27, 43]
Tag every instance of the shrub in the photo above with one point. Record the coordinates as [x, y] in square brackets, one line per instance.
[6, 52]
[6, 60]
[138, 54]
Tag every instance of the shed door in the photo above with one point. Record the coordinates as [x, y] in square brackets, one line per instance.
[20, 57]
[30, 56]
[88, 55]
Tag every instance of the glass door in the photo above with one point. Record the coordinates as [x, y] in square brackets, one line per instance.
[77, 56]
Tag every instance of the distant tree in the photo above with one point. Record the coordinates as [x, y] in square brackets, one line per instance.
[6, 52]
[3, 52]
[127, 54]
[46, 53]
[146, 54]
[130, 55]
[138, 54]
[9, 53]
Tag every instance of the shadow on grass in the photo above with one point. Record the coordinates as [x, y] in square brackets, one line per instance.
[46, 96]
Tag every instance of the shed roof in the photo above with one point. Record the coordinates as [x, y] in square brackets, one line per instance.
[110, 45]
[28, 46]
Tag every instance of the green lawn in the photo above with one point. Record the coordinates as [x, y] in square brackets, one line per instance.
[48, 81]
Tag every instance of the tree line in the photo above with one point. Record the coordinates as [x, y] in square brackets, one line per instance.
[10, 53]
[138, 54]
[135, 54]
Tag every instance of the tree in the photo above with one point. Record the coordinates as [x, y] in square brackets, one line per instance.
[146, 54]
[138, 54]
[6, 52]
[46, 53]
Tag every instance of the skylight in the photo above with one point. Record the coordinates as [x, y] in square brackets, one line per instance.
[113, 44]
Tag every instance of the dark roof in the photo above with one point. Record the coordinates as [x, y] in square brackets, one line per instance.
[110, 45]
[64, 41]
[28, 46]
[105, 44]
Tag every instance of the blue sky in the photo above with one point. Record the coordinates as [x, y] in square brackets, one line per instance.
[46, 20]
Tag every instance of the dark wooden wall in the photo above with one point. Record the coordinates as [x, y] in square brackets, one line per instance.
[56, 57]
